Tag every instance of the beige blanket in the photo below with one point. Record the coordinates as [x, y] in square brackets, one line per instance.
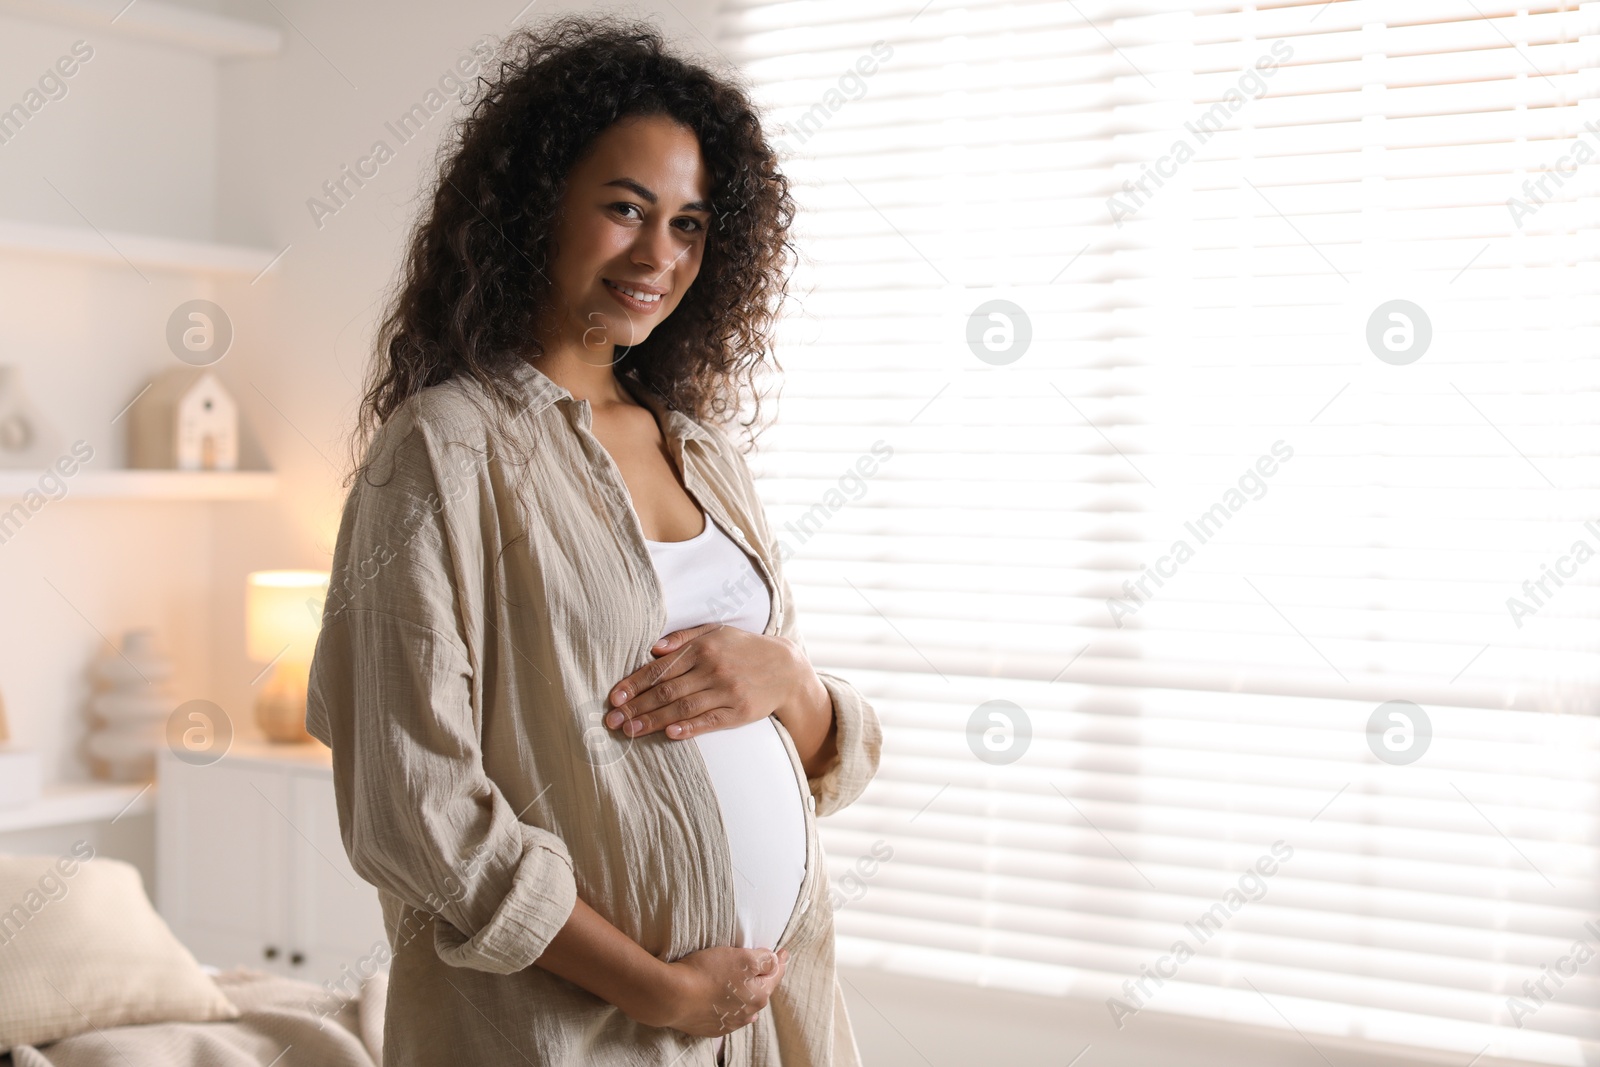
[283, 1022]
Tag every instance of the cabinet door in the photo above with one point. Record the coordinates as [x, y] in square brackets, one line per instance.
[335, 916]
[221, 832]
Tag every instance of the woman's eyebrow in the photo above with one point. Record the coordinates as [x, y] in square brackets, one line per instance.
[629, 183]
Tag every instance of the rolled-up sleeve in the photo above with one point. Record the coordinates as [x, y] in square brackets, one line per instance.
[392, 695]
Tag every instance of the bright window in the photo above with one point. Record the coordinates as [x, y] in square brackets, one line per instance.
[1225, 577]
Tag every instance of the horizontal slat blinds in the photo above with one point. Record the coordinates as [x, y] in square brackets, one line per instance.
[1289, 415]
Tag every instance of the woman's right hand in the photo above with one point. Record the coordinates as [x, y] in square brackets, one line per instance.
[718, 990]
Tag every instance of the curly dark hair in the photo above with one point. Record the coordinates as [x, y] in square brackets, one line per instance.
[475, 271]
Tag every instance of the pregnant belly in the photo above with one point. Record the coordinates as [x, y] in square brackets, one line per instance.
[764, 814]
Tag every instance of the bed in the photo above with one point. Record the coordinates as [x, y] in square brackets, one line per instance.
[283, 1022]
[91, 976]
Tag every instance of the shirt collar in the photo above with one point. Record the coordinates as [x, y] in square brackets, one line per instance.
[543, 391]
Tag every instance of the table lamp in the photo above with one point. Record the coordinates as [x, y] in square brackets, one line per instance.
[283, 612]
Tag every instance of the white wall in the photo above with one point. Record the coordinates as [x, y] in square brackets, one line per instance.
[131, 146]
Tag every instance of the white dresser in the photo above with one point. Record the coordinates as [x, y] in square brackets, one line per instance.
[250, 867]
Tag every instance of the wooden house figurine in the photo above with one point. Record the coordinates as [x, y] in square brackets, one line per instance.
[186, 421]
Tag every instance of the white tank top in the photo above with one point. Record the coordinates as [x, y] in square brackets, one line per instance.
[708, 578]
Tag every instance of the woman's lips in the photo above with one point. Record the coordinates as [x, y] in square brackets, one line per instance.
[639, 306]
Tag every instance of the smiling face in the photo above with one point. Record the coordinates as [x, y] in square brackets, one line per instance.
[629, 239]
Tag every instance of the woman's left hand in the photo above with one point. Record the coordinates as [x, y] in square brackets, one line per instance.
[709, 677]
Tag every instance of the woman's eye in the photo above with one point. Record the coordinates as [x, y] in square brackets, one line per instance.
[623, 207]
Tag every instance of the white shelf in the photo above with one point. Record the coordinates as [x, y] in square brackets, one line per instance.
[142, 250]
[148, 485]
[66, 803]
[153, 20]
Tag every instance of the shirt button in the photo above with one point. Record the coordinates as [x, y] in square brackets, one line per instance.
[811, 801]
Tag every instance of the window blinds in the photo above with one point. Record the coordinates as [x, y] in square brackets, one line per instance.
[1187, 444]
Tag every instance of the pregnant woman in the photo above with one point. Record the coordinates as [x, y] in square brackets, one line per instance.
[578, 745]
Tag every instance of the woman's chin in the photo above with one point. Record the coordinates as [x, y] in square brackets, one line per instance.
[614, 329]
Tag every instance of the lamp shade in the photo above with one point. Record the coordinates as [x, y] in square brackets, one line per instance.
[283, 612]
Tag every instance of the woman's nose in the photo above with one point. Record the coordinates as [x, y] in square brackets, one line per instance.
[655, 251]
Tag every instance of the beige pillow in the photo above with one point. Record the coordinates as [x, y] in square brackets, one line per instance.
[81, 948]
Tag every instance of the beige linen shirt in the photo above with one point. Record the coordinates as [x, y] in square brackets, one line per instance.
[487, 593]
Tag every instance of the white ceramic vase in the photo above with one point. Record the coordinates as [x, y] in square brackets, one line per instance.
[130, 709]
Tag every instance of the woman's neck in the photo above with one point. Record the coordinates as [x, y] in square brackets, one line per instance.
[584, 380]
